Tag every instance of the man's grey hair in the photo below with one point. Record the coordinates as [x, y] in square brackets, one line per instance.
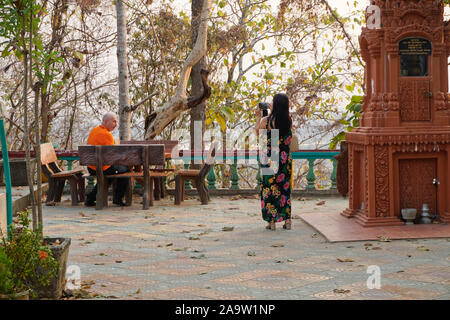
[107, 116]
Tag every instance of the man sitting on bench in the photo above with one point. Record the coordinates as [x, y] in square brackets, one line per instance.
[101, 135]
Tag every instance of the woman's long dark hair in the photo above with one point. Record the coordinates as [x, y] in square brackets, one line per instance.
[280, 114]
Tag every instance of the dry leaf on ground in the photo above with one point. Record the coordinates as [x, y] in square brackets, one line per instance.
[345, 260]
[341, 291]
[320, 203]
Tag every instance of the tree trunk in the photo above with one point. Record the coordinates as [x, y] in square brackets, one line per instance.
[26, 135]
[45, 113]
[37, 154]
[198, 113]
[124, 100]
[36, 89]
[164, 115]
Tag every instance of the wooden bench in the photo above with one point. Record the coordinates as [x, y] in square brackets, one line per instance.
[197, 177]
[126, 155]
[158, 174]
[57, 177]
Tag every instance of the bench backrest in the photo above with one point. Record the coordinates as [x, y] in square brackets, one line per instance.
[48, 154]
[126, 155]
[168, 144]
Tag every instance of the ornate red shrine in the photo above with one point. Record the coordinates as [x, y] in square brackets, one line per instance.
[399, 157]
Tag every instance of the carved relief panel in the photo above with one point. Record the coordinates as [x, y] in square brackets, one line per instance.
[415, 100]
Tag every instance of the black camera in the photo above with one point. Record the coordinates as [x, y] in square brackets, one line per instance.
[263, 106]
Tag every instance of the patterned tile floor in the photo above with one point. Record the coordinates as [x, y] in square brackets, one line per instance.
[185, 252]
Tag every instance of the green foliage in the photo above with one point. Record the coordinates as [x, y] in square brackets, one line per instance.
[26, 262]
[350, 119]
[6, 278]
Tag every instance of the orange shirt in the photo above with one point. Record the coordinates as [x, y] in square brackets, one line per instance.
[100, 136]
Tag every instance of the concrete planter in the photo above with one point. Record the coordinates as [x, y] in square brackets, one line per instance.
[60, 252]
[24, 295]
[3, 215]
[18, 171]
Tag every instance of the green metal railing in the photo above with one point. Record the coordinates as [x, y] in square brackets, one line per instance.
[7, 175]
[310, 155]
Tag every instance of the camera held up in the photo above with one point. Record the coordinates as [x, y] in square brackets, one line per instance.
[264, 106]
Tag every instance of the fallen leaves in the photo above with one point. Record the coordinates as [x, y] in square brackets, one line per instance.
[341, 291]
[383, 239]
[194, 238]
[423, 248]
[227, 228]
[345, 260]
[320, 203]
[251, 254]
[277, 245]
[369, 246]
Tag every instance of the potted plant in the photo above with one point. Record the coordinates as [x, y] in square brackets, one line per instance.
[27, 262]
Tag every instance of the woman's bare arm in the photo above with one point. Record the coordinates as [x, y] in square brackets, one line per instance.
[260, 123]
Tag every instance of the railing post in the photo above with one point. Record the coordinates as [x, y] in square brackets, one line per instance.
[258, 176]
[234, 175]
[333, 174]
[6, 170]
[311, 177]
[187, 183]
[211, 177]
[90, 184]
[69, 164]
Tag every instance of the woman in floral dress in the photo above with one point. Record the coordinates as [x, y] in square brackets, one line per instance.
[275, 187]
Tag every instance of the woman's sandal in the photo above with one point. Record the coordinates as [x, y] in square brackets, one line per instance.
[287, 225]
[271, 226]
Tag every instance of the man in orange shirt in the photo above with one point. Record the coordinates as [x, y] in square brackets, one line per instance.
[101, 135]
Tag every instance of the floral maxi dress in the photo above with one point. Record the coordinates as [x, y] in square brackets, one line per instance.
[276, 188]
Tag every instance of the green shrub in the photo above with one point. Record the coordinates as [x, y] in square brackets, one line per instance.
[29, 261]
[7, 285]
